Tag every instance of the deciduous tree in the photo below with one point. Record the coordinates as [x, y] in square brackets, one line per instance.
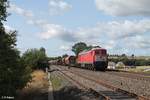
[78, 47]
[35, 58]
[13, 74]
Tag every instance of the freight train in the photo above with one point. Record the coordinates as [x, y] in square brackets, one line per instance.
[94, 59]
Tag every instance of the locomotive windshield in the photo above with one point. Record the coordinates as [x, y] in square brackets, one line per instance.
[97, 52]
[103, 52]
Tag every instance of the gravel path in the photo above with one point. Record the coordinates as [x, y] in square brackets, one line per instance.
[135, 86]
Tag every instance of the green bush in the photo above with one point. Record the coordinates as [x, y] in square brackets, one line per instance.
[14, 74]
[35, 58]
[131, 62]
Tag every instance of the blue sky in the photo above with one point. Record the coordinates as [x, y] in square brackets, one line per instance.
[121, 26]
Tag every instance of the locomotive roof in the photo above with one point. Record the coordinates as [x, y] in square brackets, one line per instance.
[93, 49]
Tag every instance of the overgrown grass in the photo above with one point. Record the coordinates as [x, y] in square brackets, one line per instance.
[56, 82]
[142, 67]
[36, 89]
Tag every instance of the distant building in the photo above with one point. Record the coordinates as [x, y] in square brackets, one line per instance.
[120, 65]
[111, 65]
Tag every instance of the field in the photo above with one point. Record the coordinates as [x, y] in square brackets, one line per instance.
[145, 69]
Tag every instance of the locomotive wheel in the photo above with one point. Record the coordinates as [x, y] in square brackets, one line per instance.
[94, 69]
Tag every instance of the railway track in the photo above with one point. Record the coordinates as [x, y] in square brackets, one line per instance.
[139, 73]
[112, 87]
[126, 74]
[81, 86]
[112, 93]
[130, 75]
[133, 84]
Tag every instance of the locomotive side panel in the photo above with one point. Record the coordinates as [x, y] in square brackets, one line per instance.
[86, 57]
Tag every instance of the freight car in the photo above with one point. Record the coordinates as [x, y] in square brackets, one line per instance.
[95, 59]
[70, 61]
[55, 62]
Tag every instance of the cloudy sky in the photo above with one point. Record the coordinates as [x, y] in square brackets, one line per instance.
[121, 26]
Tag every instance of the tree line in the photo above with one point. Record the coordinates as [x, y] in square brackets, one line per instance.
[36, 58]
[130, 61]
[15, 70]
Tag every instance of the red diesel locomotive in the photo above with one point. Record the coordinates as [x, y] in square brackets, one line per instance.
[95, 59]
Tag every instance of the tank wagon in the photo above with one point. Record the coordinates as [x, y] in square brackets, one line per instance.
[55, 62]
[70, 61]
[95, 59]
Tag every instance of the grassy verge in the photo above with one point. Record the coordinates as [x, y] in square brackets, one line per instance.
[56, 82]
[37, 89]
[139, 69]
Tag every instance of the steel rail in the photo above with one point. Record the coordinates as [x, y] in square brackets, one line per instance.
[85, 87]
[105, 84]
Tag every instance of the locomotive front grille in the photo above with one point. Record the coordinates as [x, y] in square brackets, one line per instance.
[100, 65]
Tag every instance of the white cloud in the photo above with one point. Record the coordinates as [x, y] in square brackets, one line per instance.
[123, 29]
[89, 33]
[138, 42]
[49, 30]
[8, 28]
[20, 11]
[116, 36]
[111, 34]
[114, 30]
[65, 48]
[53, 31]
[124, 7]
[58, 7]
[110, 45]
[119, 35]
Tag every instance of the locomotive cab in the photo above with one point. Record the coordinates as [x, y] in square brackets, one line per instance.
[100, 59]
[95, 59]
